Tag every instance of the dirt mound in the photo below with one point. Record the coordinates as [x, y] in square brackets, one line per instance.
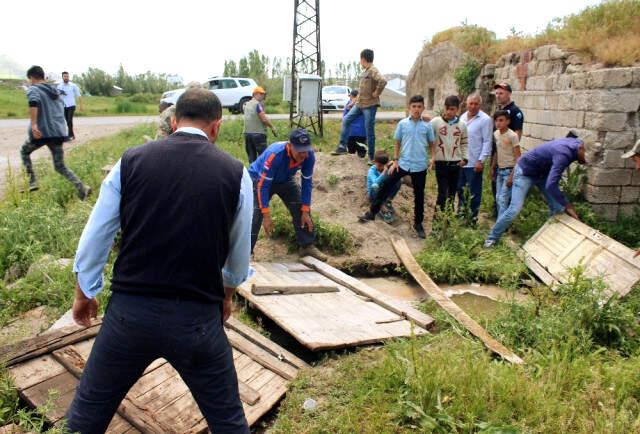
[339, 196]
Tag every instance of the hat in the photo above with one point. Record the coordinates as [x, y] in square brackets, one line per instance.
[505, 86]
[354, 92]
[635, 150]
[259, 89]
[300, 140]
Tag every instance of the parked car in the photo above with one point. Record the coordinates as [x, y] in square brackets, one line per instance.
[335, 97]
[233, 92]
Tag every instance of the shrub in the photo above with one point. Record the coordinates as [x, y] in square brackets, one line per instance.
[466, 75]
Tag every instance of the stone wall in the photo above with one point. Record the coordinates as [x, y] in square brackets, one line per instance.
[557, 92]
[432, 74]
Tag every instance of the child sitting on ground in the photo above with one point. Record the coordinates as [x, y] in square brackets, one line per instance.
[376, 176]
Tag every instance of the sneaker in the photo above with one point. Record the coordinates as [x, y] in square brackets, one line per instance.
[366, 217]
[371, 162]
[387, 217]
[489, 244]
[33, 186]
[85, 193]
[340, 150]
[362, 147]
[420, 231]
[312, 250]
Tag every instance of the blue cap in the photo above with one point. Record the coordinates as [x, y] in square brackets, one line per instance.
[300, 140]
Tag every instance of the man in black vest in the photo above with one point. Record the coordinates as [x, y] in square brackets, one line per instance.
[184, 208]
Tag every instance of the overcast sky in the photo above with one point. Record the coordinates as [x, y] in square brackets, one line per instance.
[193, 38]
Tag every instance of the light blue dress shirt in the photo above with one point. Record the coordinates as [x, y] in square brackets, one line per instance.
[104, 222]
[480, 133]
[415, 137]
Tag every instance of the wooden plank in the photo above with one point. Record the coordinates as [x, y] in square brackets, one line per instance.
[43, 344]
[405, 255]
[266, 344]
[297, 268]
[35, 371]
[56, 393]
[285, 289]
[248, 394]
[261, 356]
[530, 262]
[11, 429]
[421, 319]
[132, 411]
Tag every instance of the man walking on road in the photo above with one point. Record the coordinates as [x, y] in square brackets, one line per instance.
[372, 84]
[479, 131]
[273, 173]
[70, 91]
[48, 127]
[184, 207]
[256, 123]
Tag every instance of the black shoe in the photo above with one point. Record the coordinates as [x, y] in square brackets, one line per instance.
[85, 193]
[366, 217]
[32, 187]
[340, 150]
[419, 230]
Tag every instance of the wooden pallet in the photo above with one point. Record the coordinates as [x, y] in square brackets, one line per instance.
[355, 315]
[563, 243]
[46, 371]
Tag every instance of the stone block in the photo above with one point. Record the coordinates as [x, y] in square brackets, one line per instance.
[589, 136]
[537, 101]
[630, 163]
[605, 121]
[555, 53]
[535, 83]
[617, 100]
[544, 67]
[579, 80]
[622, 140]
[532, 68]
[635, 178]
[611, 159]
[488, 70]
[627, 210]
[600, 194]
[581, 100]
[635, 72]
[571, 118]
[609, 78]
[551, 101]
[563, 82]
[608, 177]
[542, 53]
[574, 60]
[565, 101]
[630, 194]
[608, 212]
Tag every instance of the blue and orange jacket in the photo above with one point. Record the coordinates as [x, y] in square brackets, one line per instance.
[276, 166]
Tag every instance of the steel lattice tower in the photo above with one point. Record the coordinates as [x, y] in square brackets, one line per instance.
[306, 59]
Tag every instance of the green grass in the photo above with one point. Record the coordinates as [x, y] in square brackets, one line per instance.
[13, 103]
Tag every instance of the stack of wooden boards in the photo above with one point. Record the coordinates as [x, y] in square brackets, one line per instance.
[46, 370]
[324, 308]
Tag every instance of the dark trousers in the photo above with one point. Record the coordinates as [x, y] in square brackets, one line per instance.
[352, 146]
[494, 191]
[289, 193]
[418, 181]
[473, 181]
[68, 115]
[57, 153]
[447, 175]
[254, 144]
[136, 330]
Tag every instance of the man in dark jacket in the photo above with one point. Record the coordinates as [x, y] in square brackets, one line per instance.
[47, 126]
[184, 207]
[542, 167]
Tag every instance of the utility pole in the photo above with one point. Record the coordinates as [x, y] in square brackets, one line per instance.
[306, 59]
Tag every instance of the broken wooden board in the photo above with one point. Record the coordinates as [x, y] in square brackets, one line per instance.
[300, 288]
[406, 257]
[159, 402]
[322, 321]
[563, 243]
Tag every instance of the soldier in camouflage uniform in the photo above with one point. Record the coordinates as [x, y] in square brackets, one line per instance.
[164, 127]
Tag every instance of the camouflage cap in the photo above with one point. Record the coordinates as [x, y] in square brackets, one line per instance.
[634, 151]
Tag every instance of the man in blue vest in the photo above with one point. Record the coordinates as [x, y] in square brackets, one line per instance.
[184, 208]
[274, 173]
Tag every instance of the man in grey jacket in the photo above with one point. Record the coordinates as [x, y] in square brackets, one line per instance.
[47, 127]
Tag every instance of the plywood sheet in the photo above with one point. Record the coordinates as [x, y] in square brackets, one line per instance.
[264, 370]
[563, 243]
[322, 321]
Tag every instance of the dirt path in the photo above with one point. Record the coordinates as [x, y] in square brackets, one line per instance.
[13, 133]
[341, 202]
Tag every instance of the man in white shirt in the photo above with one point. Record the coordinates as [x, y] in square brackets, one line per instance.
[480, 130]
[70, 91]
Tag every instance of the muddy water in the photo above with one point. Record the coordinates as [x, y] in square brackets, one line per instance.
[477, 300]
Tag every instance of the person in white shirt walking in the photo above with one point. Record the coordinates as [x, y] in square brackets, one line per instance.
[69, 91]
[480, 130]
